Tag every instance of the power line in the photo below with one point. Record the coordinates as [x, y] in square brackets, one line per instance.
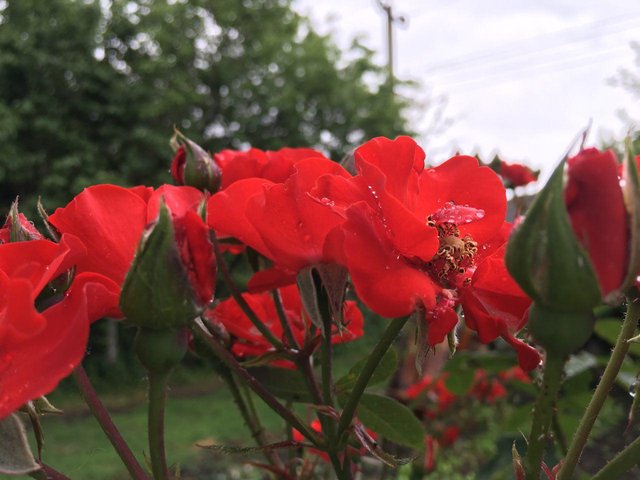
[532, 70]
[562, 39]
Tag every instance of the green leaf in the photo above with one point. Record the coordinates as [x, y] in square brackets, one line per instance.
[15, 454]
[283, 383]
[385, 370]
[608, 329]
[460, 381]
[392, 420]
[492, 362]
[545, 257]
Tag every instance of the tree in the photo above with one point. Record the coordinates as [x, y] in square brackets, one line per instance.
[91, 94]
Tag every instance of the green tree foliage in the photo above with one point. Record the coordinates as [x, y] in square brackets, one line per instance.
[90, 91]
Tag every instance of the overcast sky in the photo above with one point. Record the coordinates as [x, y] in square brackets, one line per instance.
[521, 78]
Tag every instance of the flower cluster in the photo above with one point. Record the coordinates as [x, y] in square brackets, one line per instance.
[411, 238]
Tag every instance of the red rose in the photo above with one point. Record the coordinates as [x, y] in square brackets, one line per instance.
[40, 346]
[516, 174]
[110, 221]
[249, 342]
[275, 166]
[596, 208]
[416, 237]
[279, 220]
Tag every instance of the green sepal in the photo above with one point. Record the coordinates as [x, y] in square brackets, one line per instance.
[545, 257]
[560, 333]
[16, 457]
[156, 292]
[631, 194]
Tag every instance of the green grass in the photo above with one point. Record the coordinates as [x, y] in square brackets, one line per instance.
[76, 446]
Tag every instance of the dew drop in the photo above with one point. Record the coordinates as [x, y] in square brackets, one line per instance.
[458, 214]
[327, 201]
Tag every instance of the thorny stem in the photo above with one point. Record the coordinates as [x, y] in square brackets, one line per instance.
[108, 427]
[229, 360]
[543, 414]
[235, 293]
[602, 390]
[621, 463]
[252, 421]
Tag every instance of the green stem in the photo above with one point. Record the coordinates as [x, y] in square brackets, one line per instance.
[621, 463]
[229, 360]
[155, 425]
[602, 391]
[326, 356]
[329, 427]
[543, 414]
[369, 368]
[108, 427]
[237, 296]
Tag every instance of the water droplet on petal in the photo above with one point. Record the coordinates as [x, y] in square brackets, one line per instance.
[458, 214]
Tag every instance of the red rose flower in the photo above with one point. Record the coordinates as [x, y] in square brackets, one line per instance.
[493, 303]
[110, 221]
[596, 208]
[415, 237]
[254, 163]
[249, 342]
[516, 174]
[279, 220]
[40, 346]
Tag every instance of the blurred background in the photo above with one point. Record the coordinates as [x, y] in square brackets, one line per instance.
[91, 90]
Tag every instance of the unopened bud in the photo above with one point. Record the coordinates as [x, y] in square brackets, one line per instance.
[193, 166]
[163, 289]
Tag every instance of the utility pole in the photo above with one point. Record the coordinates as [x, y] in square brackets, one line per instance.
[391, 19]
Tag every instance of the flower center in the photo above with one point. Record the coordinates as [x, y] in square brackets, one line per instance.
[453, 264]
